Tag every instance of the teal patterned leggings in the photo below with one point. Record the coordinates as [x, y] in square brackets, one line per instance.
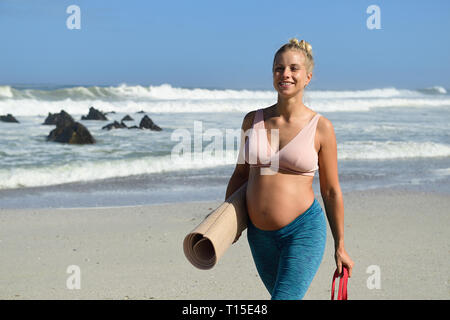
[287, 259]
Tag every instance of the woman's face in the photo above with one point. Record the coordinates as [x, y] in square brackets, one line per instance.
[289, 73]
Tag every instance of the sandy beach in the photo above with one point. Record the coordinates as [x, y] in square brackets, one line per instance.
[136, 252]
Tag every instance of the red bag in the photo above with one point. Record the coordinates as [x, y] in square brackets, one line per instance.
[342, 290]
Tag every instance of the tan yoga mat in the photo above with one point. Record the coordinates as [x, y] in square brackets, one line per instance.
[207, 243]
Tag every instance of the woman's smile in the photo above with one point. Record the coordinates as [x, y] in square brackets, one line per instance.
[285, 84]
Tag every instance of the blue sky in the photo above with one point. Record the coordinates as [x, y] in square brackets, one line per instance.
[223, 44]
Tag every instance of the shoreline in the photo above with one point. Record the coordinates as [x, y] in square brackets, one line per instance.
[135, 252]
[102, 193]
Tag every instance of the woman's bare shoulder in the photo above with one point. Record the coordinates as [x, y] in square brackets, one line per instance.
[324, 123]
[325, 129]
[248, 120]
[250, 116]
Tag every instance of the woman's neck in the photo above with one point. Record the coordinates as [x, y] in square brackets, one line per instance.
[291, 107]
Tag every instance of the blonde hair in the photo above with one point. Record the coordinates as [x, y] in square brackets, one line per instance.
[303, 46]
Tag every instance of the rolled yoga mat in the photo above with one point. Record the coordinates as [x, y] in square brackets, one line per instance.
[207, 243]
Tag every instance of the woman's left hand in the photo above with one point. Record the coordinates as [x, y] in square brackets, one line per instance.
[343, 259]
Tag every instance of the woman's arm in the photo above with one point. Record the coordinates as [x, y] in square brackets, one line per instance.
[240, 174]
[237, 179]
[331, 191]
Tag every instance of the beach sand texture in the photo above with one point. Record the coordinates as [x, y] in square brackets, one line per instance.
[137, 253]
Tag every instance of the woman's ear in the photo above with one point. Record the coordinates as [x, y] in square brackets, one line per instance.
[308, 78]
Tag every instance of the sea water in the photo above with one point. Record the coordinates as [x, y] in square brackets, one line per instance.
[387, 137]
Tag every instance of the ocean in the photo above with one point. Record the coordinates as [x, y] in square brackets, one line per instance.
[387, 137]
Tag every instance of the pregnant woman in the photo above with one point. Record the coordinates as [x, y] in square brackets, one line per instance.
[284, 145]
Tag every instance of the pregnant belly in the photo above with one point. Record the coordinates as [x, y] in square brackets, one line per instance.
[273, 201]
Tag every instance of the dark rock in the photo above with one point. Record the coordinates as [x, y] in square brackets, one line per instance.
[147, 123]
[94, 114]
[115, 125]
[53, 118]
[127, 118]
[142, 111]
[8, 118]
[64, 119]
[134, 127]
[69, 131]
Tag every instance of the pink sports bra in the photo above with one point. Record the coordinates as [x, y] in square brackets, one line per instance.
[297, 156]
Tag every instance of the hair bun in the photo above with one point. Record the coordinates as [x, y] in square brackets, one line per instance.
[306, 46]
[302, 45]
[298, 45]
[294, 41]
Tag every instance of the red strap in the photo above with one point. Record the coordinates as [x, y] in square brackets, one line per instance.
[342, 291]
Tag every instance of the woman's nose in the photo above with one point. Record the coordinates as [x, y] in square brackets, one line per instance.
[286, 73]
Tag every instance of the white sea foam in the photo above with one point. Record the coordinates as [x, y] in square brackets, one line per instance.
[435, 90]
[5, 92]
[366, 94]
[167, 92]
[26, 107]
[125, 92]
[165, 98]
[442, 172]
[360, 150]
[89, 171]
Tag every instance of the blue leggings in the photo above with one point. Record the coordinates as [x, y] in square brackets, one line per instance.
[287, 259]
